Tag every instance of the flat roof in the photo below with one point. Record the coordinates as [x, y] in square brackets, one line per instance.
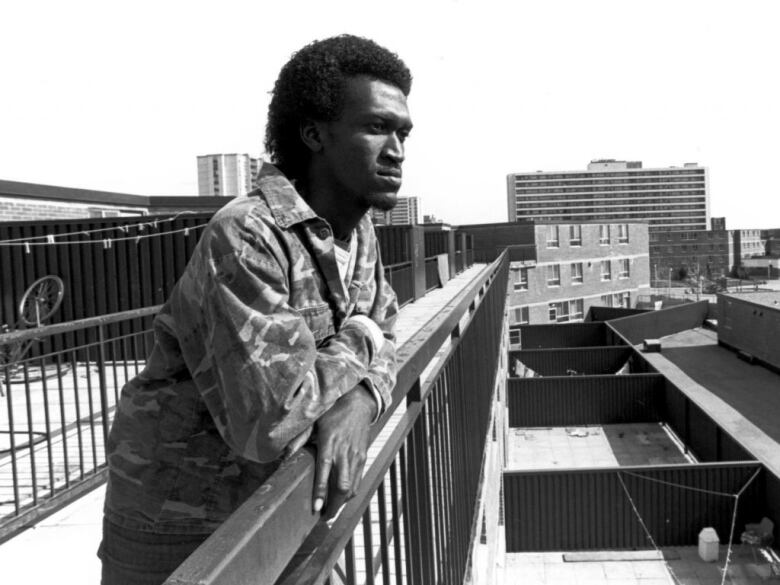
[770, 299]
[53, 192]
[741, 398]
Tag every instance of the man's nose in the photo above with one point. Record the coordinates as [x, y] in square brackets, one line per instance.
[394, 148]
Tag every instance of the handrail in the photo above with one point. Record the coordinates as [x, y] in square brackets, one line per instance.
[282, 506]
[70, 326]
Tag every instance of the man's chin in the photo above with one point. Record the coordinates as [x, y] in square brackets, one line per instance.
[384, 201]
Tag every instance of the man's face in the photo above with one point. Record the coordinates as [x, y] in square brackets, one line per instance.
[364, 149]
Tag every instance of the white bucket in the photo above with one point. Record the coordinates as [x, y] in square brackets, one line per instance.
[708, 544]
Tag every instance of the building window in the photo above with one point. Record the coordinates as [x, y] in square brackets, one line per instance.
[623, 233]
[558, 312]
[606, 270]
[521, 315]
[604, 235]
[552, 236]
[554, 275]
[624, 268]
[575, 235]
[606, 300]
[521, 279]
[622, 300]
[576, 272]
[514, 337]
[576, 309]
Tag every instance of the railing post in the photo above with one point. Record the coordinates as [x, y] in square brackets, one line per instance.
[417, 237]
[451, 252]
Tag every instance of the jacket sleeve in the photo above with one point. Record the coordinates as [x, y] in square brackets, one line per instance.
[255, 360]
[381, 376]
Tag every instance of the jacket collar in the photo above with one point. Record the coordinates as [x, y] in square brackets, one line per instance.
[285, 203]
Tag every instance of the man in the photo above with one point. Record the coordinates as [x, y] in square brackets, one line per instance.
[280, 327]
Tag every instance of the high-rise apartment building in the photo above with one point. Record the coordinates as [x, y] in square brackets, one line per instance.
[675, 198]
[227, 175]
[406, 211]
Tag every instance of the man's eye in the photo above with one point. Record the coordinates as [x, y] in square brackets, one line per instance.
[378, 127]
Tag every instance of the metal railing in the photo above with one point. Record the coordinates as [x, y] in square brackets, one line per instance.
[56, 409]
[401, 277]
[413, 519]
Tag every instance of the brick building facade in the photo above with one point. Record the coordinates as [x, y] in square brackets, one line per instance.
[559, 270]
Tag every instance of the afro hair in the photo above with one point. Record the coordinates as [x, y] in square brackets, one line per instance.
[311, 86]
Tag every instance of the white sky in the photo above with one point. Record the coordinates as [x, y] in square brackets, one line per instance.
[123, 96]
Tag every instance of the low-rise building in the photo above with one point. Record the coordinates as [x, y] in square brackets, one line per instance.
[559, 270]
[711, 254]
[30, 201]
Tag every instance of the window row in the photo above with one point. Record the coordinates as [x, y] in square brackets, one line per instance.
[576, 273]
[575, 235]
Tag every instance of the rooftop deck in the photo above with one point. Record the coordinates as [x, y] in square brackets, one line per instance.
[71, 536]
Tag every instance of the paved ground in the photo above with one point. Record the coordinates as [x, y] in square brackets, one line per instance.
[591, 446]
[673, 566]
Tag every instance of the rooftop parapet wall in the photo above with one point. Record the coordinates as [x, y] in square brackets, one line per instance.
[555, 336]
[575, 361]
[656, 324]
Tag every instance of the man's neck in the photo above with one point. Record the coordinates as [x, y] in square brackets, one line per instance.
[341, 215]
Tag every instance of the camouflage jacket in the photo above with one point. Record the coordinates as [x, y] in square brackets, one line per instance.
[256, 341]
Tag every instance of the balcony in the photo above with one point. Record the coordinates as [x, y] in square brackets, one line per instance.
[576, 455]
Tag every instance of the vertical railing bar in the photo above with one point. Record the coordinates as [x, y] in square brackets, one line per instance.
[349, 557]
[383, 543]
[439, 526]
[125, 359]
[446, 463]
[12, 436]
[395, 510]
[115, 343]
[31, 440]
[103, 385]
[77, 404]
[368, 546]
[63, 418]
[91, 403]
[47, 417]
[408, 516]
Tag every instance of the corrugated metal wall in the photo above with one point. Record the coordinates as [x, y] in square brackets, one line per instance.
[596, 313]
[589, 509]
[583, 400]
[104, 268]
[569, 335]
[706, 440]
[573, 361]
[107, 268]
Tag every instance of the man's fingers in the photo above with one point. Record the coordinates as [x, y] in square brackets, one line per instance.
[344, 478]
[358, 463]
[321, 475]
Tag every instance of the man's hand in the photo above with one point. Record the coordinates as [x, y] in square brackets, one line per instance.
[342, 442]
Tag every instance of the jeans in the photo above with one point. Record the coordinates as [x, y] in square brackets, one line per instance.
[132, 557]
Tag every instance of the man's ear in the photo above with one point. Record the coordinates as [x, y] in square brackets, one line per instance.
[311, 135]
